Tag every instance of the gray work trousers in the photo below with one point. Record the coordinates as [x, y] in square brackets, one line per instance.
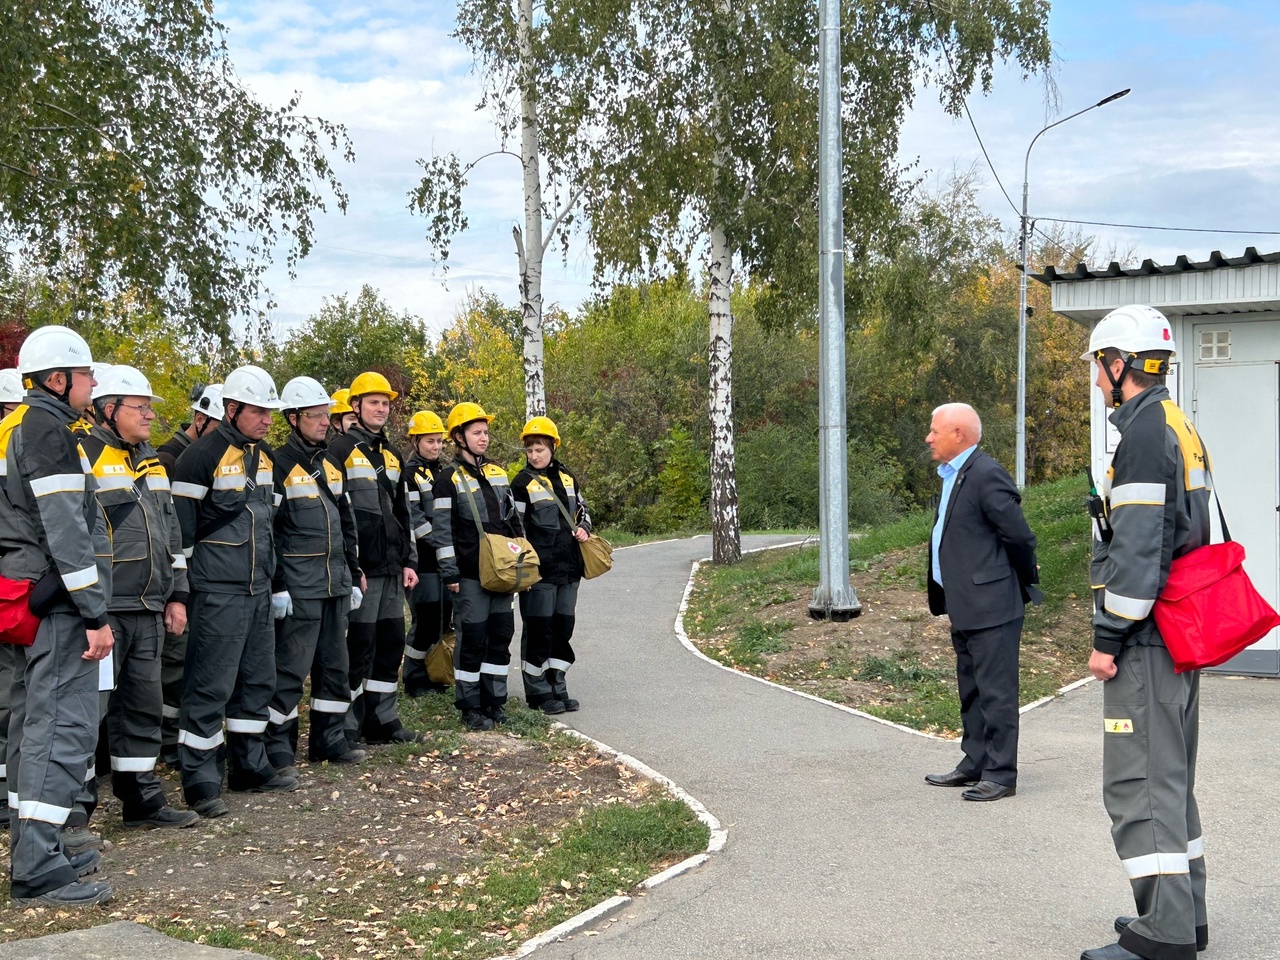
[426, 601]
[134, 711]
[484, 623]
[53, 727]
[1151, 732]
[313, 639]
[547, 612]
[230, 674]
[375, 648]
[173, 660]
[6, 681]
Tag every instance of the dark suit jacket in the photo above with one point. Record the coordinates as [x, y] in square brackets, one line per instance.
[987, 553]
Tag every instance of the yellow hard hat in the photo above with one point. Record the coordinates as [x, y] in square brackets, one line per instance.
[371, 382]
[424, 422]
[465, 413]
[541, 427]
[341, 402]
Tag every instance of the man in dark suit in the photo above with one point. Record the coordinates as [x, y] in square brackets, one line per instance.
[982, 573]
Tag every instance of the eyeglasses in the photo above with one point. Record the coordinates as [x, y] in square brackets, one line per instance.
[143, 408]
[317, 415]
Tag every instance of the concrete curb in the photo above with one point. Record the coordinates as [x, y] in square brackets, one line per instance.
[689, 645]
[719, 837]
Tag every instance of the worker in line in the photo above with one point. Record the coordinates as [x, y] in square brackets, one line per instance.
[475, 491]
[149, 588]
[426, 600]
[11, 393]
[51, 536]
[372, 478]
[340, 414]
[224, 490]
[317, 581]
[555, 521]
[206, 413]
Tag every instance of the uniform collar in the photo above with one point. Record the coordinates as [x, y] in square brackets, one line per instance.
[1123, 415]
[38, 398]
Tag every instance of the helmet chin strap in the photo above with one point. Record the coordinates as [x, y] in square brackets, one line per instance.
[1117, 383]
[65, 396]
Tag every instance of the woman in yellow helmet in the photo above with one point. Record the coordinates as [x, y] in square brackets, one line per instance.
[547, 496]
[484, 621]
[341, 416]
[427, 599]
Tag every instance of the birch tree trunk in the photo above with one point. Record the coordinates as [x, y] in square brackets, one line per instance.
[726, 539]
[530, 252]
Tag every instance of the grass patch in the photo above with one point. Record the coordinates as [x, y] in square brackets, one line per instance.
[919, 697]
[607, 852]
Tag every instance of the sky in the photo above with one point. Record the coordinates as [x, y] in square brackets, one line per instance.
[1194, 144]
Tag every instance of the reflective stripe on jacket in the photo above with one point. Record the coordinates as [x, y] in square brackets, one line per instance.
[421, 476]
[147, 565]
[225, 515]
[453, 527]
[536, 493]
[315, 531]
[371, 476]
[49, 518]
[1158, 504]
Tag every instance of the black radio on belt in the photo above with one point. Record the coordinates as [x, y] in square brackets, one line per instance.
[1097, 507]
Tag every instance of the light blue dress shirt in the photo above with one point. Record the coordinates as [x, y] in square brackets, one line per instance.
[947, 471]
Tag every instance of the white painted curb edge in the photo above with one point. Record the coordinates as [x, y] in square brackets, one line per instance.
[719, 837]
[689, 645]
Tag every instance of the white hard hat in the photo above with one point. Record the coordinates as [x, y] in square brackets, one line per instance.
[11, 390]
[210, 402]
[303, 392]
[122, 380]
[53, 348]
[253, 385]
[1133, 329]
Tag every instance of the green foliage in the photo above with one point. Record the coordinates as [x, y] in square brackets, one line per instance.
[924, 698]
[134, 161]
[682, 485]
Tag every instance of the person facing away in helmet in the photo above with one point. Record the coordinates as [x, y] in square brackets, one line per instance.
[206, 412]
[11, 391]
[545, 491]
[372, 470]
[1157, 503]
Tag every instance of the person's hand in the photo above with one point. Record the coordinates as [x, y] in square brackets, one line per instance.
[175, 618]
[410, 578]
[281, 604]
[364, 583]
[100, 643]
[1102, 665]
[357, 596]
[581, 535]
[453, 587]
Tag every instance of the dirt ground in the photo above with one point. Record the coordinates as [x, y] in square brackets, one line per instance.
[826, 658]
[322, 871]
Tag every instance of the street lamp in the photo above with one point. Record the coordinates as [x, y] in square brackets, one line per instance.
[1021, 477]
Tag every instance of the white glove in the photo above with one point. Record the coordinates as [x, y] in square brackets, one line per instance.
[356, 597]
[281, 605]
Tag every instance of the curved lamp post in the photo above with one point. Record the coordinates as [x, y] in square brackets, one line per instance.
[1021, 477]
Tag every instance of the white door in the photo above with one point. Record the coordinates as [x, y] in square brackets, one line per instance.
[1236, 408]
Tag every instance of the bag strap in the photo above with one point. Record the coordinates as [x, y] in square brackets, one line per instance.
[573, 524]
[1213, 488]
[471, 497]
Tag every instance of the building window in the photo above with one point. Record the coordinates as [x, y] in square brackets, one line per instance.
[1215, 344]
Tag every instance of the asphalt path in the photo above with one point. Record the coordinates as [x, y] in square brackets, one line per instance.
[837, 848]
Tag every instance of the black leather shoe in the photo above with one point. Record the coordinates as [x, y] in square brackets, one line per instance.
[1202, 933]
[953, 779]
[988, 790]
[1112, 951]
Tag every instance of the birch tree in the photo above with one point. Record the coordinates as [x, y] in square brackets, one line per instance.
[514, 88]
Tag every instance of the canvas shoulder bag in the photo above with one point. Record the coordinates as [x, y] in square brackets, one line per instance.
[507, 564]
[597, 552]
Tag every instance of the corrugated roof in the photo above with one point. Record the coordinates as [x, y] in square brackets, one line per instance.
[1150, 268]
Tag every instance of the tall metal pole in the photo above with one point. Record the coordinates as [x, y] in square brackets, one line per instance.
[833, 598]
[1020, 476]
